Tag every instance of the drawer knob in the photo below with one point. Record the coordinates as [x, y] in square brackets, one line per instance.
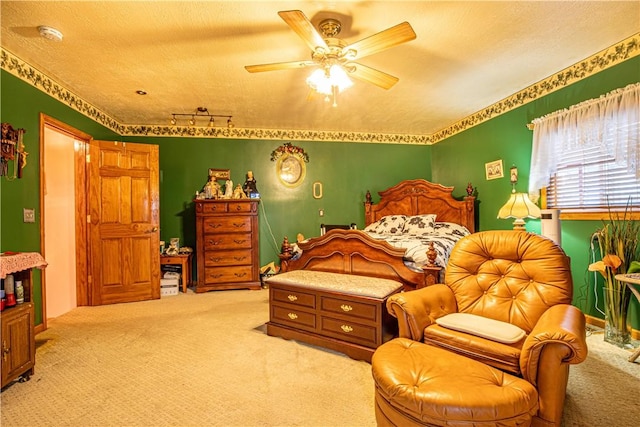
[292, 298]
[346, 328]
[345, 307]
[292, 316]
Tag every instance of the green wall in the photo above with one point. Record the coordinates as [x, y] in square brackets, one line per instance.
[21, 105]
[346, 170]
[506, 137]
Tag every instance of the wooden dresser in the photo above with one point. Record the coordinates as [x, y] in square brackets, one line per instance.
[227, 246]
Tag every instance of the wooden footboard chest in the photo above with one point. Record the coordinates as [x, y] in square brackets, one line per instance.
[341, 312]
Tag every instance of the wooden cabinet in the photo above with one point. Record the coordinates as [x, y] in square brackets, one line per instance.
[352, 324]
[18, 336]
[227, 244]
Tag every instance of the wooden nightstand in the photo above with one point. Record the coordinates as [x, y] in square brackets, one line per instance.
[183, 260]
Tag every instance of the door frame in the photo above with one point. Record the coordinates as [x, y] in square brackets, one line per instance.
[81, 229]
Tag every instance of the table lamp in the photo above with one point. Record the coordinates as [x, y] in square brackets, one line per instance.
[519, 206]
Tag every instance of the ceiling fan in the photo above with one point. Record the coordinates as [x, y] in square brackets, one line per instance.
[328, 51]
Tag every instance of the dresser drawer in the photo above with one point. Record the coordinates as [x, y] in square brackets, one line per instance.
[291, 316]
[232, 257]
[228, 274]
[210, 208]
[227, 224]
[349, 331]
[293, 297]
[241, 207]
[227, 241]
[352, 308]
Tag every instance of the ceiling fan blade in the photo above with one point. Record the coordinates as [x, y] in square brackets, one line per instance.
[278, 66]
[304, 28]
[371, 75]
[390, 37]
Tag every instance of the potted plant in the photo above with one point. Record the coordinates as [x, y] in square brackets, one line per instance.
[619, 244]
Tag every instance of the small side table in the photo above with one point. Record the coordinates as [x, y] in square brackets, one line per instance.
[631, 280]
[184, 260]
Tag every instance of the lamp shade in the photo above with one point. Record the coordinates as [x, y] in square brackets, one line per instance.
[519, 206]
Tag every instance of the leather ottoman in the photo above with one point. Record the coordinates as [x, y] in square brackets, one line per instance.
[418, 384]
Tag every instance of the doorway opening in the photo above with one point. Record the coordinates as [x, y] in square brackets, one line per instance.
[63, 231]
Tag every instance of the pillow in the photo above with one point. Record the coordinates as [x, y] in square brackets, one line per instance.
[419, 224]
[390, 224]
[450, 229]
[484, 327]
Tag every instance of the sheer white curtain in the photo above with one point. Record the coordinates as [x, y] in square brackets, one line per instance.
[609, 123]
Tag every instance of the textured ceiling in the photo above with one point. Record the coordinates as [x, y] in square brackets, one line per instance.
[467, 56]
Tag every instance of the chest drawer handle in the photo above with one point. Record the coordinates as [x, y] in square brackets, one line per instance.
[240, 274]
[345, 307]
[217, 259]
[215, 276]
[239, 242]
[292, 298]
[240, 225]
[346, 328]
[239, 258]
[292, 316]
[214, 226]
[215, 242]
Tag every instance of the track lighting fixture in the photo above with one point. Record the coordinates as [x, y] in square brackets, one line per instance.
[201, 112]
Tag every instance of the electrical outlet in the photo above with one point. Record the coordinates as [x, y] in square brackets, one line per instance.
[29, 215]
[321, 212]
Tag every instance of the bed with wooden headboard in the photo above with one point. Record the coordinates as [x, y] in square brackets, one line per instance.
[369, 253]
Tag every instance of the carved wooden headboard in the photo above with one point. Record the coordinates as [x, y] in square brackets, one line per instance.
[419, 196]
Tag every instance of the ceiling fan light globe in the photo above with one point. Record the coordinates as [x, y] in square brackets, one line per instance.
[319, 82]
[339, 77]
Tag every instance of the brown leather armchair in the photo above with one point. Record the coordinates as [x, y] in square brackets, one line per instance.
[515, 277]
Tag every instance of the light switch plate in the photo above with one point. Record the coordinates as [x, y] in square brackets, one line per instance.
[29, 215]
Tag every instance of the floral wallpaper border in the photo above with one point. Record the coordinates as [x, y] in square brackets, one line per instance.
[609, 57]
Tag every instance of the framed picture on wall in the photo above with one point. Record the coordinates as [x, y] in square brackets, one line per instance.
[494, 170]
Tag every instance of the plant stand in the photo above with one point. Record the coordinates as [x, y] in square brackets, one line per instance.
[631, 280]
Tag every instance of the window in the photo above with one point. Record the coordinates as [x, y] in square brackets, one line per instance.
[586, 158]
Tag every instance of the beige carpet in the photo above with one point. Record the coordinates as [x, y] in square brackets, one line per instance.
[205, 360]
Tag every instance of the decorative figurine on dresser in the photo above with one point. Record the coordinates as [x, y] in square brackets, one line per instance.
[227, 245]
[251, 186]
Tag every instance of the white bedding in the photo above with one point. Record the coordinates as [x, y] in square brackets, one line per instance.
[444, 237]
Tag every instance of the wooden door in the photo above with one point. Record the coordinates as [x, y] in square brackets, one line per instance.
[124, 242]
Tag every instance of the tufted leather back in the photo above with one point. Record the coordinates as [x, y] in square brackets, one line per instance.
[512, 276]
